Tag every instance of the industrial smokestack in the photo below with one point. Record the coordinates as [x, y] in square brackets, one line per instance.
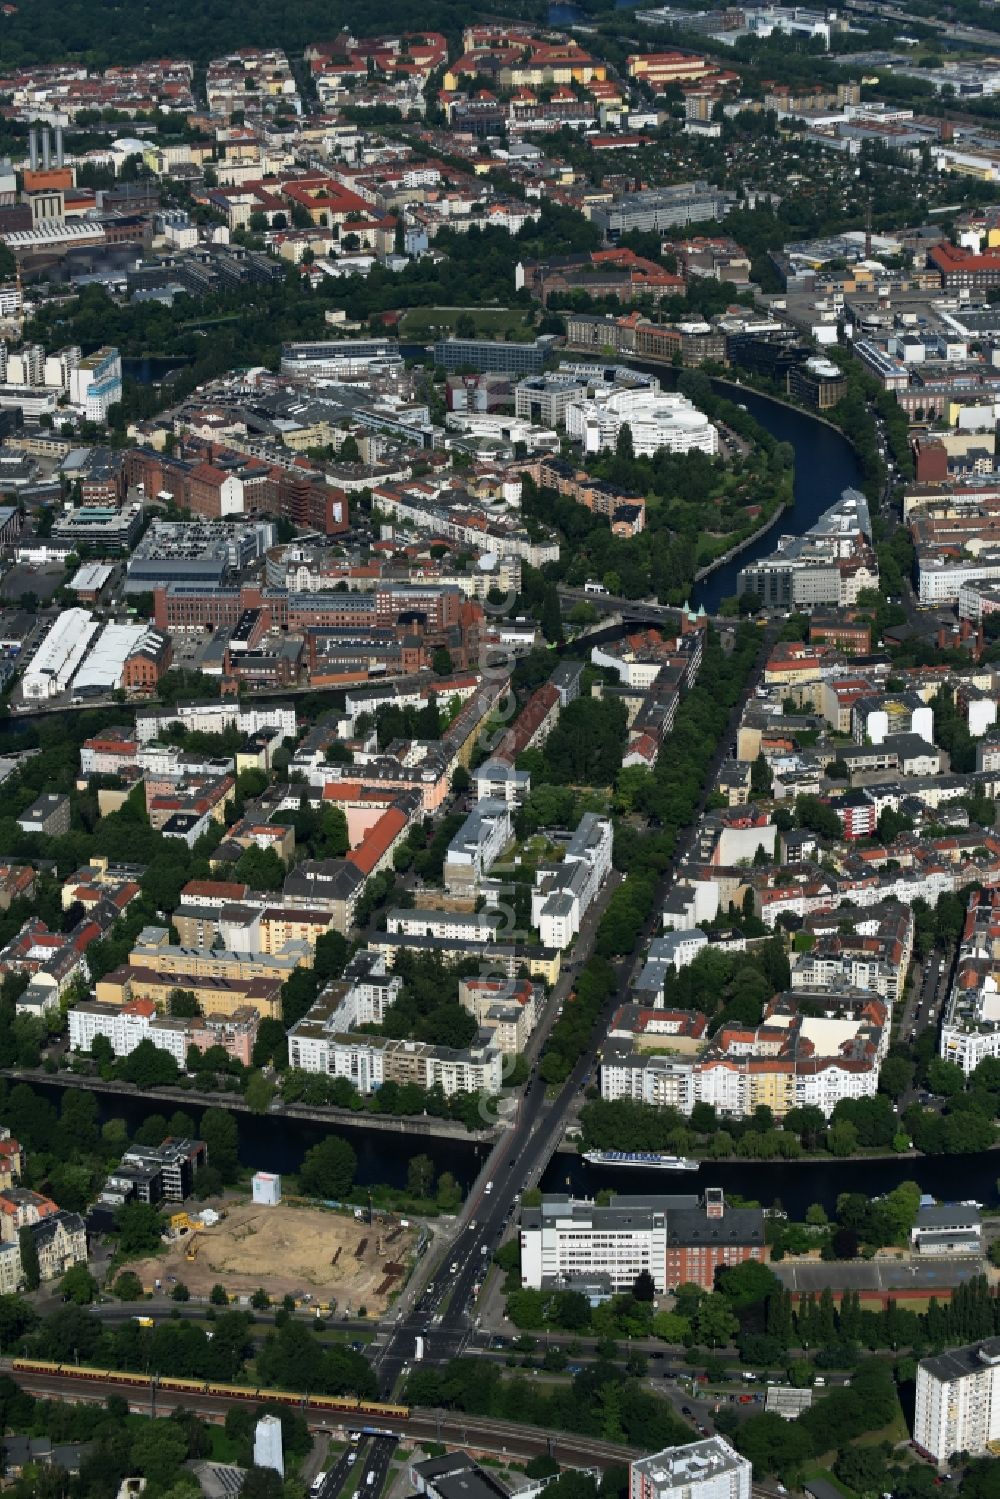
[59, 146]
[33, 148]
[46, 149]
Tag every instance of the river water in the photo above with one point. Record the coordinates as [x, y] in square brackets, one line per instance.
[825, 465]
[273, 1143]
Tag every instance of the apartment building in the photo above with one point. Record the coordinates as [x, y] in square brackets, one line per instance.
[563, 892]
[658, 1080]
[505, 1008]
[970, 1029]
[447, 925]
[477, 845]
[710, 1469]
[126, 1026]
[958, 1401]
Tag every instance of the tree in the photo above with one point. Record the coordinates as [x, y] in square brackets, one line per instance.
[420, 1176]
[328, 1169]
[262, 1483]
[29, 1258]
[148, 1067]
[945, 1078]
[78, 1286]
[217, 1296]
[441, 662]
[714, 1322]
[550, 616]
[542, 1465]
[183, 1003]
[180, 1292]
[139, 1229]
[219, 1131]
[128, 1286]
[842, 1138]
[159, 1449]
[747, 1284]
[259, 1093]
[260, 1300]
[896, 1076]
[644, 1287]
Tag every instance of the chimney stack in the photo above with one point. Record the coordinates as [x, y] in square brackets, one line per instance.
[33, 148]
[59, 146]
[46, 149]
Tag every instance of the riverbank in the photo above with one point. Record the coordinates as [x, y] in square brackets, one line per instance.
[807, 1158]
[767, 395]
[405, 1124]
[740, 547]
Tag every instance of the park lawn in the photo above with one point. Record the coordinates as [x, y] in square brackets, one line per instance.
[224, 1449]
[427, 322]
[896, 1431]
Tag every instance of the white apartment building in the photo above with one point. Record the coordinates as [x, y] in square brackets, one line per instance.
[125, 1026]
[95, 384]
[709, 1469]
[563, 892]
[216, 717]
[662, 1081]
[565, 1239]
[681, 948]
[477, 846]
[941, 579]
[418, 922]
[496, 780]
[970, 1028]
[958, 1401]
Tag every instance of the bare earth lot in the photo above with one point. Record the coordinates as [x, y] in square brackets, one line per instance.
[290, 1250]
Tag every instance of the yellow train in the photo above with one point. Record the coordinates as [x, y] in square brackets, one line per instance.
[351, 1405]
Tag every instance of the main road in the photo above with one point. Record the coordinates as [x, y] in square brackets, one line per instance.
[441, 1315]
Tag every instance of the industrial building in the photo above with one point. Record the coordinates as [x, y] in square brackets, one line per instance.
[59, 655]
[205, 554]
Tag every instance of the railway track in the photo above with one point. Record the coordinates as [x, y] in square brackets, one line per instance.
[476, 1432]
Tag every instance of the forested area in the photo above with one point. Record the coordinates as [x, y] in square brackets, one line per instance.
[114, 31]
[599, 1401]
[290, 1355]
[117, 1445]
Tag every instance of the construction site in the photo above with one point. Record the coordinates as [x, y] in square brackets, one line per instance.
[322, 1258]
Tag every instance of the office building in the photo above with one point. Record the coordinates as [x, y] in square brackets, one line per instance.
[676, 1239]
[488, 356]
[96, 384]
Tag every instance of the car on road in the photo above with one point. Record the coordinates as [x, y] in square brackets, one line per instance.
[686, 1410]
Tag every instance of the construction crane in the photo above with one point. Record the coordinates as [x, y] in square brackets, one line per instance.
[191, 1252]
